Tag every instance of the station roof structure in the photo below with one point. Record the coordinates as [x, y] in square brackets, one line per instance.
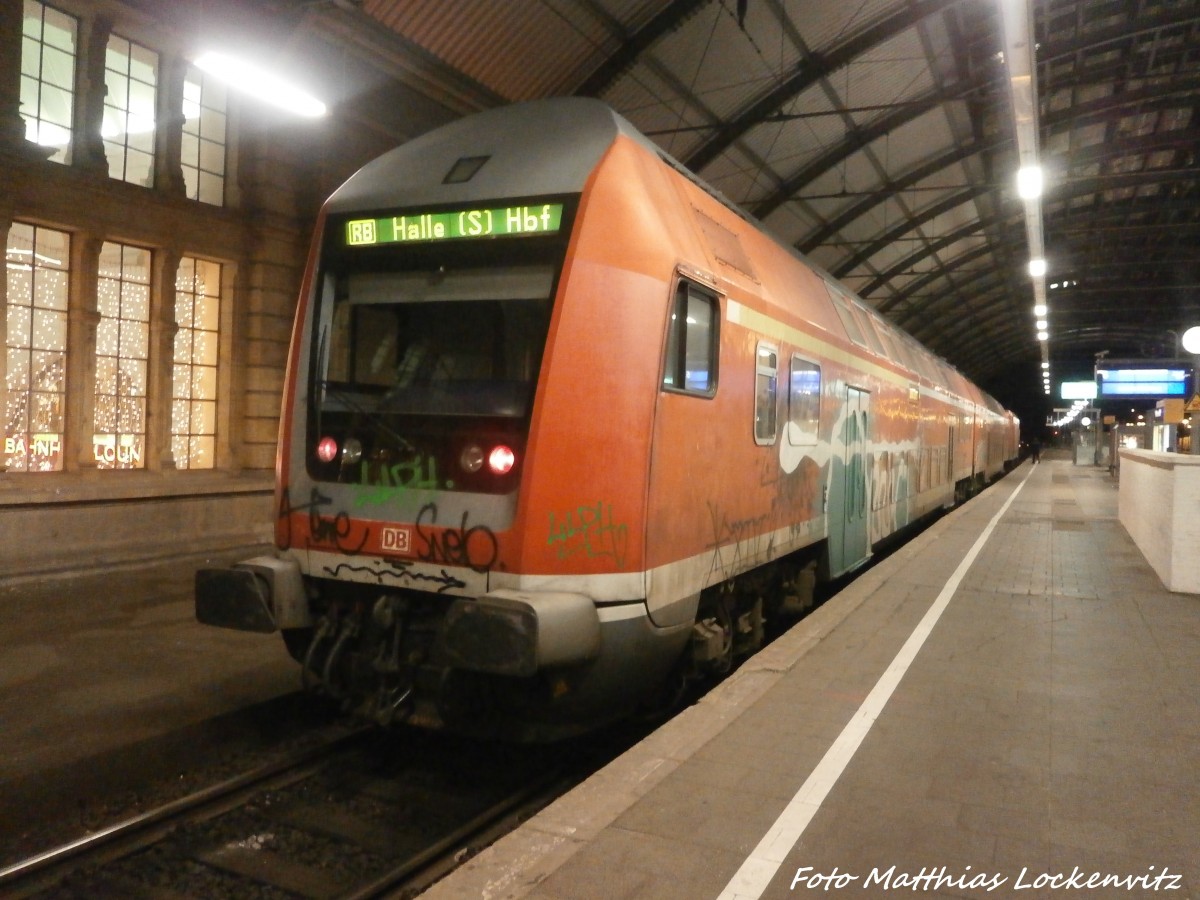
[881, 138]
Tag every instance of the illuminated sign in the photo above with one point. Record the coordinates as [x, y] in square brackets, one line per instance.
[1078, 390]
[425, 227]
[33, 453]
[113, 453]
[1143, 382]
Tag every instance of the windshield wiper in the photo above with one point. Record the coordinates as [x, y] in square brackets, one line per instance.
[350, 402]
[326, 388]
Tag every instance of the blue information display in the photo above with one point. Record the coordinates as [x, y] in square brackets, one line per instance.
[1143, 382]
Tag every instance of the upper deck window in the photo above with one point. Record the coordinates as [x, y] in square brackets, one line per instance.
[841, 304]
[867, 327]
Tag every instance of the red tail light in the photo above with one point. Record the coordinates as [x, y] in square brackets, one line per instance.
[501, 460]
[327, 449]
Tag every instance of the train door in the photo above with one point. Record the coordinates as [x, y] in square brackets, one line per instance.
[679, 501]
[950, 448]
[976, 445]
[849, 542]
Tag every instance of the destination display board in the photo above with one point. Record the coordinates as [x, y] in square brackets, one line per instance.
[1139, 382]
[460, 224]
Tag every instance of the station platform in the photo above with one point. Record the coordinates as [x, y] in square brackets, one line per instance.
[1008, 706]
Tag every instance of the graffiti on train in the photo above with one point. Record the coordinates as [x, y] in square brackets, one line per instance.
[462, 544]
[730, 537]
[326, 527]
[890, 483]
[399, 573]
[589, 529]
[796, 492]
[388, 483]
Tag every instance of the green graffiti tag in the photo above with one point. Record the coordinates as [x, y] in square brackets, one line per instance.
[589, 529]
[389, 482]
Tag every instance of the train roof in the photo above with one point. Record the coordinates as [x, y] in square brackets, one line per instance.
[534, 149]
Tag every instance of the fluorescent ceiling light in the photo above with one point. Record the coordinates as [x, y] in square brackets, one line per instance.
[1042, 324]
[1043, 335]
[1040, 310]
[1045, 365]
[1029, 182]
[1191, 340]
[250, 79]
[1037, 267]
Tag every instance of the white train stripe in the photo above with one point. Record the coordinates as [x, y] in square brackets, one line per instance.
[621, 612]
[862, 360]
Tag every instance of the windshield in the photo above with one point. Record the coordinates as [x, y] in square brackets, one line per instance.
[423, 372]
[440, 343]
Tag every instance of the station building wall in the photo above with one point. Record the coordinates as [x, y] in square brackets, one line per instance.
[156, 227]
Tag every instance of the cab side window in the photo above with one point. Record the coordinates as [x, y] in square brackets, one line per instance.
[691, 359]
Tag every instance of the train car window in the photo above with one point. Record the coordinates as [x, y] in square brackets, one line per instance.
[841, 303]
[889, 343]
[947, 375]
[900, 351]
[766, 394]
[922, 364]
[691, 359]
[899, 348]
[804, 402]
[868, 330]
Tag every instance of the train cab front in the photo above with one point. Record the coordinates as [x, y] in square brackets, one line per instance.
[404, 443]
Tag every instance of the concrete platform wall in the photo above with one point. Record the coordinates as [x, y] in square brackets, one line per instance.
[1159, 506]
[138, 519]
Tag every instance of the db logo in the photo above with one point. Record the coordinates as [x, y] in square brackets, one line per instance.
[396, 540]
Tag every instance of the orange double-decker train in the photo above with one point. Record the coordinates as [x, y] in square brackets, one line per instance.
[562, 429]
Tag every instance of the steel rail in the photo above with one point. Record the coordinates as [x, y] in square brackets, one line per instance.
[133, 829]
[544, 791]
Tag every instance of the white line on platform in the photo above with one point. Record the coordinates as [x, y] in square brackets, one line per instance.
[764, 861]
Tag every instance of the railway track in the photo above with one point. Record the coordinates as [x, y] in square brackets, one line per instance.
[366, 815]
